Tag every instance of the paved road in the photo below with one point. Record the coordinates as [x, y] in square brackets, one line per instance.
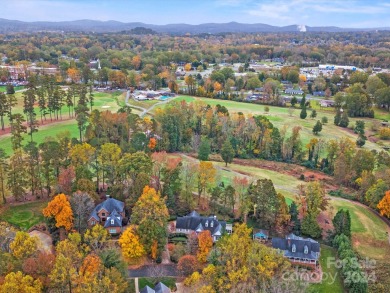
[157, 270]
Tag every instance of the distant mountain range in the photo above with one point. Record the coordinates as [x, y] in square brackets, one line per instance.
[7, 26]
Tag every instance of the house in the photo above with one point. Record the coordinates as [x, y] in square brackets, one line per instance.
[319, 94]
[110, 214]
[261, 235]
[291, 91]
[298, 250]
[193, 222]
[327, 103]
[159, 288]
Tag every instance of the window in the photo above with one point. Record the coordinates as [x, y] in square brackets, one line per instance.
[206, 224]
[103, 214]
[112, 222]
[306, 249]
[112, 231]
[294, 248]
[211, 224]
[93, 223]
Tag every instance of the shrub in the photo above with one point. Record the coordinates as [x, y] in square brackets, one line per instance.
[384, 133]
[302, 177]
[324, 120]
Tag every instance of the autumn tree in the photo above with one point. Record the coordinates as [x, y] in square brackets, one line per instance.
[384, 205]
[187, 265]
[17, 282]
[240, 265]
[23, 246]
[205, 243]
[205, 176]
[59, 208]
[130, 242]
[96, 237]
[151, 215]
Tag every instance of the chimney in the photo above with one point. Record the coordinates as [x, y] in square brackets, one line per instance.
[107, 196]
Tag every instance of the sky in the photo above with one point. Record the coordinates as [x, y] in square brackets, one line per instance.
[342, 13]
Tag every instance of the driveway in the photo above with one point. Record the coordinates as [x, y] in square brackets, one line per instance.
[154, 271]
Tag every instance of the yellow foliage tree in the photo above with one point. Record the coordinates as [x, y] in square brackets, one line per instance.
[81, 154]
[384, 205]
[59, 208]
[96, 237]
[136, 61]
[205, 244]
[24, 245]
[206, 176]
[187, 67]
[132, 249]
[17, 282]
[217, 87]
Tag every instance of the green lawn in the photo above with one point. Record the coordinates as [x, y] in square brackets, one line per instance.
[167, 281]
[50, 130]
[331, 281]
[368, 230]
[103, 101]
[24, 216]
[3, 88]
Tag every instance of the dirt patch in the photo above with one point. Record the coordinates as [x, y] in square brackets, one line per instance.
[46, 243]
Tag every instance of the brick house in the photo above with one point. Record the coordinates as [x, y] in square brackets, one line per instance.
[109, 214]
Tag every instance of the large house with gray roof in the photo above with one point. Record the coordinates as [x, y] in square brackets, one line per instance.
[109, 214]
[193, 222]
[298, 249]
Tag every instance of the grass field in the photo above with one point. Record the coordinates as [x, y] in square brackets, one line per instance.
[103, 101]
[280, 117]
[24, 216]
[50, 130]
[368, 231]
[3, 88]
[331, 281]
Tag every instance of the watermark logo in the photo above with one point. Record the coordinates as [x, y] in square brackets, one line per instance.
[351, 270]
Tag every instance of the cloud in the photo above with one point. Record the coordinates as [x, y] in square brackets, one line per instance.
[288, 12]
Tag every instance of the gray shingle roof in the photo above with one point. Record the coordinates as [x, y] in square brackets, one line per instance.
[161, 288]
[113, 220]
[286, 244]
[147, 289]
[197, 223]
[110, 205]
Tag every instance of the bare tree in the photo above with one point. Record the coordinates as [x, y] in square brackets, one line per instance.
[82, 206]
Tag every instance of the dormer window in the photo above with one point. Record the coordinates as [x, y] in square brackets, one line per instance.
[206, 224]
[294, 248]
[211, 224]
[306, 249]
[112, 222]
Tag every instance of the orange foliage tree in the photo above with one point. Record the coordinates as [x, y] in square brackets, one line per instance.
[152, 143]
[187, 265]
[59, 208]
[204, 246]
[384, 205]
[91, 265]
